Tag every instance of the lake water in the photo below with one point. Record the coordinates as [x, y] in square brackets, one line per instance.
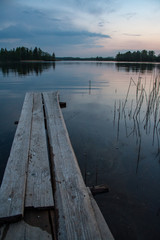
[112, 117]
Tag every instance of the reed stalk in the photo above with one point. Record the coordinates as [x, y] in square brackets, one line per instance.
[143, 110]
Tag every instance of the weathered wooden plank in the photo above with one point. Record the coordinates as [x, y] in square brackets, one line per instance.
[39, 191]
[12, 190]
[76, 216]
[103, 227]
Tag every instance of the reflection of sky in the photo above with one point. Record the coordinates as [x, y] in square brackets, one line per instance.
[81, 28]
[111, 79]
[90, 91]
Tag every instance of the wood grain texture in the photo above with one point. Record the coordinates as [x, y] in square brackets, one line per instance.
[39, 191]
[12, 190]
[77, 219]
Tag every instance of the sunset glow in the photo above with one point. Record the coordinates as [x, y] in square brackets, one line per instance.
[81, 28]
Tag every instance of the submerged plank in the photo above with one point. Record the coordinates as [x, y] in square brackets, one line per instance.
[39, 191]
[76, 216]
[35, 225]
[12, 190]
[22, 231]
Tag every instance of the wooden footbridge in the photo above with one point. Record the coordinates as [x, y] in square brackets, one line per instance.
[43, 195]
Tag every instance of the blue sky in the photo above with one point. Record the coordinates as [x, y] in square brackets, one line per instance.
[81, 27]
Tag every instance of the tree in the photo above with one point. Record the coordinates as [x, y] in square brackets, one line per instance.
[35, 53]
[144, 55]
[23, 53]
[53, 56]
[137, 56]
[151, 56]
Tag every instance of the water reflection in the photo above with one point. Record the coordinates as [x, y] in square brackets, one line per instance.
[122, 155]
[137, 67]
[139, 113]
[21, 68]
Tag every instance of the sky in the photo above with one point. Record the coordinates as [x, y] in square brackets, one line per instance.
[81, 28]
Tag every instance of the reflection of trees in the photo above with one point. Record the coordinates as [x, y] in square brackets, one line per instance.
[137, 67]
[25, 68]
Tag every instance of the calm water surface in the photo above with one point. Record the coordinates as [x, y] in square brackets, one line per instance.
[113, 142]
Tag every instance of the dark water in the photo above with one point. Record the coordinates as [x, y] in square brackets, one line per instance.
[113, 142]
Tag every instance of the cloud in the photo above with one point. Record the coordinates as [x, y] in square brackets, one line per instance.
[9, 40]
[62, 38]
[129, 15]
[80, 34]
[90, 6]
[101, 24]
[34, 12]
[26, 19]
[77, 25]
[21, 31]
[73, 38]
[15, 32]
[132, 34]
[55, 37]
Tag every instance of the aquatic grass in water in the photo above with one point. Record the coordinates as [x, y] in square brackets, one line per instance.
[140, 110]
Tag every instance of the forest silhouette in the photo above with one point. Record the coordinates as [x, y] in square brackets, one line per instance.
[23, 53]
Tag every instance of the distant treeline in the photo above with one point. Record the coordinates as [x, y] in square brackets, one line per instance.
[138, 56]
[86, 59]
[23, 53]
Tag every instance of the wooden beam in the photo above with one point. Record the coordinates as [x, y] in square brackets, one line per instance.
[76, 217]
[103, 188]
[62, 104]
[12, 190]
[39, 191]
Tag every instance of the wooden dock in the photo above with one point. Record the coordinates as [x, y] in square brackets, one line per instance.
[43, 195]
